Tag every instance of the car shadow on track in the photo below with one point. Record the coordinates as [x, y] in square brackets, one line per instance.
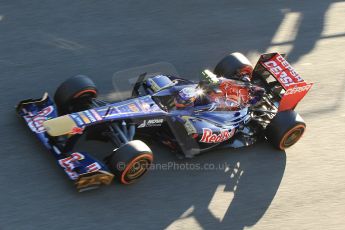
[39, 195]
[224, 189]
[251, 181]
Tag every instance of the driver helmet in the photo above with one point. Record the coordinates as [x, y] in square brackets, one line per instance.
[186, 97]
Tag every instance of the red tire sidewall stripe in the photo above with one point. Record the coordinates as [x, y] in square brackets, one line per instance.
[288, 133]
[85, 91]
[146, 155]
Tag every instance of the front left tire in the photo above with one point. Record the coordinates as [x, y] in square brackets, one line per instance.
[74, 94]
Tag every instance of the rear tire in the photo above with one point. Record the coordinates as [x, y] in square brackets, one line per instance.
[74, 94]
[131, 161]
[230, 65]
[285, 129]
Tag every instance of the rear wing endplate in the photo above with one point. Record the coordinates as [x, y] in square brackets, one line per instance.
[295, 88]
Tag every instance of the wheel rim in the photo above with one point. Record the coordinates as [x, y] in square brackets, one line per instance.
[292, 136]
[136, 168]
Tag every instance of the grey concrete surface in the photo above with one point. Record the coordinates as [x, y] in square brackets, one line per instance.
[44, 42]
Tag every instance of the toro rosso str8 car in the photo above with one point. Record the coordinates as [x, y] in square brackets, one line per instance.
[233, 106]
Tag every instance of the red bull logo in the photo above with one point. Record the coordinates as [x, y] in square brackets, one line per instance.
[36, 122]
[209, 137]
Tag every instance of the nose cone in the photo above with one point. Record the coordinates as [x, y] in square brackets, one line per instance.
[60, 126]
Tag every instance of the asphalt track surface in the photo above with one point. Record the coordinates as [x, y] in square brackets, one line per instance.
[44, 42]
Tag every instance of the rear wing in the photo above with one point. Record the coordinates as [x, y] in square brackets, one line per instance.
[292, 88]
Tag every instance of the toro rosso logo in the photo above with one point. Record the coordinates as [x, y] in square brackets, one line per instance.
[209, 137]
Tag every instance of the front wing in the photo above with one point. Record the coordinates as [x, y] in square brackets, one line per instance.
[80, 167]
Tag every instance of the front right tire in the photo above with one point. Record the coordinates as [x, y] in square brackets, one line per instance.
[130, 161]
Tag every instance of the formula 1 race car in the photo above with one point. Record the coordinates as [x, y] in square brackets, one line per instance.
[233, 106]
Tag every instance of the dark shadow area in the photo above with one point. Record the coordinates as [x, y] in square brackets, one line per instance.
[43, 44]
[257, 173]
[310, 28]
[252, 174]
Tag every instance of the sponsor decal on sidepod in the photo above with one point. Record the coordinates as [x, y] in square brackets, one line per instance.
[209, 137]
[151, 123]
